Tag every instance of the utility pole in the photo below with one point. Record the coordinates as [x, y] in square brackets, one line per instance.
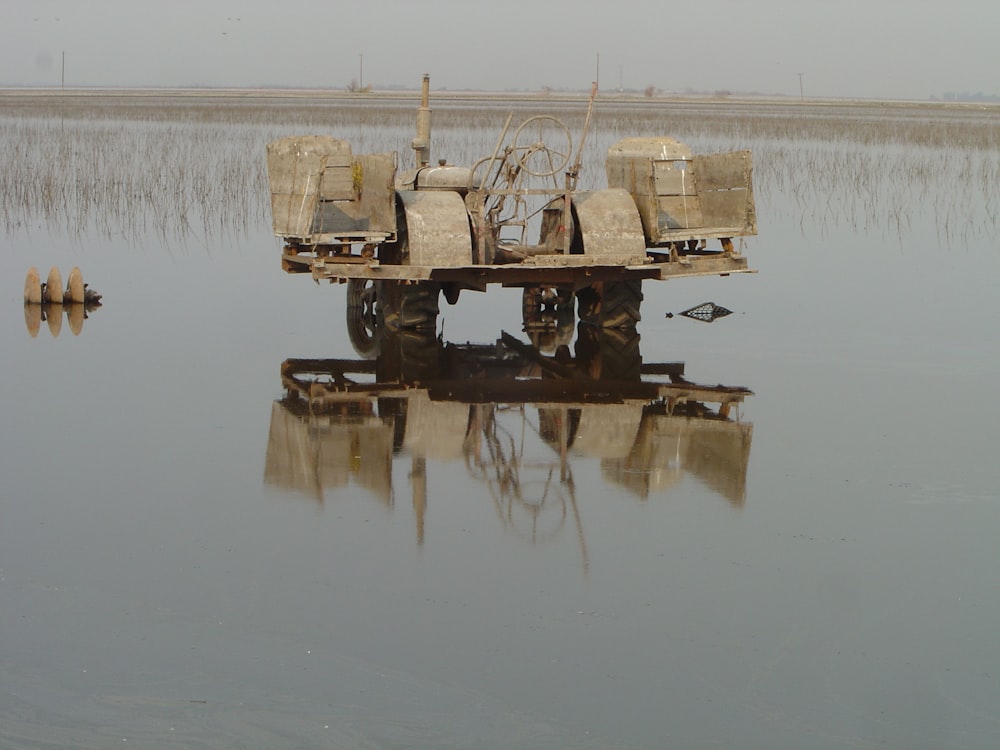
[802, 96]
[64, 69]
[361, 71]
[597, 77]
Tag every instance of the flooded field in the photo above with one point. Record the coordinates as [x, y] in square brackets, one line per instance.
[221, 525]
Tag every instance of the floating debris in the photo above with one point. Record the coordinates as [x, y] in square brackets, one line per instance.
[706, 312]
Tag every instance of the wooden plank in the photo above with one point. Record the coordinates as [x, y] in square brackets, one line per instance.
[520, 275]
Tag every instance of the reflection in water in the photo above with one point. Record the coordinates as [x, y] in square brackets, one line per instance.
[52, 314]
[518, 418]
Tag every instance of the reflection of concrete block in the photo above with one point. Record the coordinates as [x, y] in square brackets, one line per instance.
[435, 429]
[309, 454]
[289, 461]
[667, 448]
[718, 453]
[607, 430]
[334, 455]
[370, 457]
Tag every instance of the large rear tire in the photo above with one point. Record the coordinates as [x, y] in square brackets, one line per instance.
[610, 354]
[411, 306]
[611, 304]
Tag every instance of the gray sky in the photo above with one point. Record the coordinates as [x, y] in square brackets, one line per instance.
[853, 48]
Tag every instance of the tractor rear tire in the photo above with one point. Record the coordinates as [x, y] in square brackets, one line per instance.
[611, 304]
[609, 353]
[411, 306]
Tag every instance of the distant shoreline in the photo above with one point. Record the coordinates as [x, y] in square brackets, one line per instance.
[472, 96]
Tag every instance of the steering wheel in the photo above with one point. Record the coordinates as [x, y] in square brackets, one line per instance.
[536, 158]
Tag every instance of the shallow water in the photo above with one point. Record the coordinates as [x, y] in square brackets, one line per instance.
[186, 559]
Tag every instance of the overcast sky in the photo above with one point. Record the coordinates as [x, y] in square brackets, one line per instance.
[905, 49]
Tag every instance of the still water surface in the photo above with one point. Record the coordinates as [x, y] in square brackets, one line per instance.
[193, 554]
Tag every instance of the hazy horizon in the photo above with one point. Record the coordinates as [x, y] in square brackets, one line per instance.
[888, 49]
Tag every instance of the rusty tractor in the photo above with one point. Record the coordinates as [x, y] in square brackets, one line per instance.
[402, 239]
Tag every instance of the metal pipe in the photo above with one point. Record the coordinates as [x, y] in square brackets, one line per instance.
[422, 143]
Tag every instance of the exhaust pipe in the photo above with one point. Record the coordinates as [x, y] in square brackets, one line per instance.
[422, 143]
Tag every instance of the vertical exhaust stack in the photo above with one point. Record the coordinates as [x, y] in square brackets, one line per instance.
[422, 143]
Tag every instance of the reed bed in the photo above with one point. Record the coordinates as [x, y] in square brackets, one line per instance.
[194, 167]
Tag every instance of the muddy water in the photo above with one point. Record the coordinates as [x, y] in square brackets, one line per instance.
[194, 552]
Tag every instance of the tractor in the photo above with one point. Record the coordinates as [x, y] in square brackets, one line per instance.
[401, 239]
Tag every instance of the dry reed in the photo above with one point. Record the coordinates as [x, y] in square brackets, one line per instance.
[182, 167]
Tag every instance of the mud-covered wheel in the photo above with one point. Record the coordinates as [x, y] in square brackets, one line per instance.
[609, 353]
[364, 326]
[411, 306]
[420, 305]
[611, 304]
[419, 355]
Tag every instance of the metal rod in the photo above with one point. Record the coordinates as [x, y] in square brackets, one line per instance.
[578, 164]
[481, 239]
[574, 174]
[496, 150]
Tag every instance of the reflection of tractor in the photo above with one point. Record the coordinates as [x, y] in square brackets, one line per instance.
[517, 417]
[406, 238]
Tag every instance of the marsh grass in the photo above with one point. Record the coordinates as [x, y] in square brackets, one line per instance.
[194, 167]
